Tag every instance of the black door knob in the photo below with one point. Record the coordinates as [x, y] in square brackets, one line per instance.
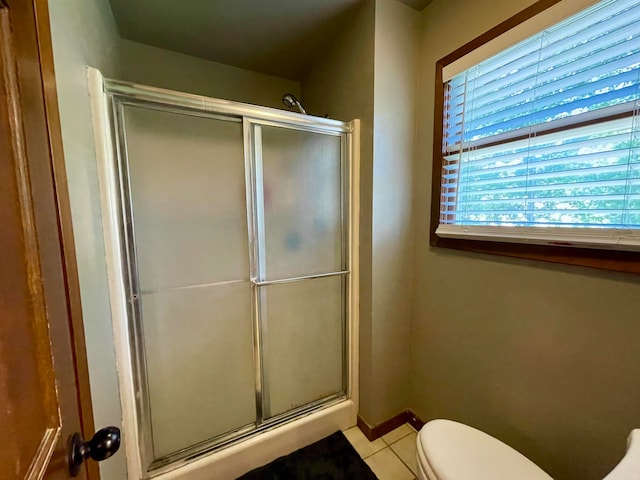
[102, 445]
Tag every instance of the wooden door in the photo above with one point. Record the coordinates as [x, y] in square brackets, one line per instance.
[44, 388]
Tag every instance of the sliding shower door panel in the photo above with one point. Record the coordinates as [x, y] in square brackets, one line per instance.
[191, 290]
[302, 184]
[192, 338]
[302, 266]
[304, 347]
[187, 187]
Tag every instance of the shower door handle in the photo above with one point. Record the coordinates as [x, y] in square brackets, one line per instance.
[102, 445]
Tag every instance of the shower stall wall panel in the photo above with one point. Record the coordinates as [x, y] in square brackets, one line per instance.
[233, 274]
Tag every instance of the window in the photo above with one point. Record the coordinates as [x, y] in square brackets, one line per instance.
[540, 143]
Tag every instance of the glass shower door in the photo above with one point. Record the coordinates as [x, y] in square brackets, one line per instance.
[234, 224]
[300, 279]
[190, 275]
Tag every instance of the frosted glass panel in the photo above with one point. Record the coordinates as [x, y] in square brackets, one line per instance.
[303, 341]
[302, 203]
[188, 192]
[201, 374]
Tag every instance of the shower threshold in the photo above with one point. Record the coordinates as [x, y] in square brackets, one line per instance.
[195, 452]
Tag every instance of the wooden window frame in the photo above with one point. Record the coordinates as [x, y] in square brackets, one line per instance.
[615, 260]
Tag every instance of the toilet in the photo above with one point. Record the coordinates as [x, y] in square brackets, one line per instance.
[449, 450]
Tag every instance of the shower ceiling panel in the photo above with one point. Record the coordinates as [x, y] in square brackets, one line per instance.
[276, 37]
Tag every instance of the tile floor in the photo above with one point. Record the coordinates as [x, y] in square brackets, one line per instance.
[391, 457]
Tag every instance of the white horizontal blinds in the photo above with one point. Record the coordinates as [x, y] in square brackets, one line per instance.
[452, 137]
[632, 207]
[547, 133]
[587, 62]
[586, 176]
[454, 99]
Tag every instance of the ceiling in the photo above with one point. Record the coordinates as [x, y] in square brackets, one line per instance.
[417, 4]
[277, 37]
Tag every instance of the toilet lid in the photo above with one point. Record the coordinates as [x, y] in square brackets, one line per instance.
[455, 451]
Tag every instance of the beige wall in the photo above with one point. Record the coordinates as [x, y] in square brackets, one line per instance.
[162, 68]
[546, 358]
[397, 38]
[84, 33]
[381, 43]
[340, 84]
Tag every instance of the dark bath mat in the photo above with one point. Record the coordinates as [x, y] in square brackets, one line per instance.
[332, 458]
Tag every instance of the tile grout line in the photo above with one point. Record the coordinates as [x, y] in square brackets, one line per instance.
[384, 445]
[403, 462]
[388, 446]
[377, 451]
[396, 441]
[396, 455]
[394, 452]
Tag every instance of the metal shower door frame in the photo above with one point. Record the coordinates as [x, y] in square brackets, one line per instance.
[119, 95]
[257, 255]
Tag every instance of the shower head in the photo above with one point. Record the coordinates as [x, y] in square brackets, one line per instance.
[291, 101]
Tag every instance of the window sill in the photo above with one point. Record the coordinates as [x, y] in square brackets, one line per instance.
[613, 260]
[572, 237]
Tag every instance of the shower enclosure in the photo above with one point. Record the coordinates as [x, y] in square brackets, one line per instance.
[232, 246]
